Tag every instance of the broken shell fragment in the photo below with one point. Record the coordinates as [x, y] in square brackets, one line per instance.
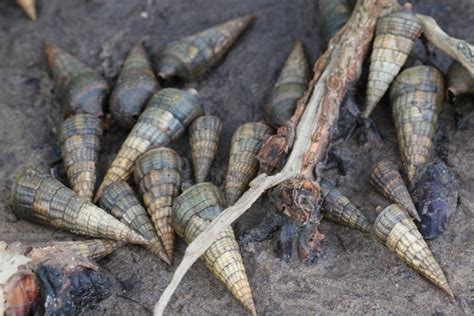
[158, 177]
[166, 117]
[205, 133]
[192, 56]
[30, 9]
[135, 85]
[79, 139]
[333, 14]
[40, 198]
[388, 181]
[80, 88]
[93, 249]
[396, 230]
[243, 163]
[459, 82]
[289, 88]
[193, 210]
[416, 95]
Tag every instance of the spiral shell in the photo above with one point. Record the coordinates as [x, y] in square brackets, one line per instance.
[459, 82]
[30, 9]
[395, 37]
[290, 86]
[416, 96]
[94, 249]
[79, 139]
[388, 181]
[205, 133]
[243, 163]
[192, 56]
[193, 210]
[157, 176]
[166, 117]
[339, 209]
[40, 198]
[120, 200]
[333, 14]
[79, 88]
[135, 85]
[396, 230]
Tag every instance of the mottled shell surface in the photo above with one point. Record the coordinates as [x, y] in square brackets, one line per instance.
[205, 133]
[29, 7]
[193, 210]
[339, 209]
[120, 200]
[289, 88]
[386, 178]
[243, 163]
[79, 88]
[416, 96]
[38, 197]
[396, 230]
[459, 81]
[79, 138]
[166, 117]
[135, 85]
[192, 56]
[333, 14]
[158, 177]
[395, 37]
[93, 249]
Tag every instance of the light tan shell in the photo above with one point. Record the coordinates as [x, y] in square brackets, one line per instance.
[93, 248]
[30, 9]
[459, 81]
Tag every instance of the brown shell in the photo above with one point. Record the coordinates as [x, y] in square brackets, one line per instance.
[94, 249]
[135, 85]
[158, 177]
[79, 88]
[333, 14]
[459, 81]
[193, 210]
[290, 87]
[30, 9]
[339, 209]
[205, 133]
[79, 139]
[120, 200]
[192, 56]
[396, 230]
[416, 96]
[166, 117]
[395, 37]
[386, 178]
[243, 163]
[40, 198]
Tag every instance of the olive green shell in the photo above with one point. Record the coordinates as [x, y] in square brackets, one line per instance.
[243, 163]
[289, 88]
[93, 248]
[193, 210]
[192, 56]
[333, 14]
[166, 117]
[158, 177]
[29, 7]
[79, 88]
[40, 198]
[205, 133]
[135, 85]
[79, 138]
[339, 209]
[459, 81]
[386, 178]
[120, 201]
[395, 37]
[416, 96]
[396, 230]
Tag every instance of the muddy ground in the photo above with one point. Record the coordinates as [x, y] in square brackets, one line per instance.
[357, 276]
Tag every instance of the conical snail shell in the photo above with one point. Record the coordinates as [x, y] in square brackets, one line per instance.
[416, 96]
[290, 87]
[29, 7]
[396, 230]
[157, 176]
[166, 117]
[333, 14]
[340, 209]
[243, 163]
[94, 249]
[120, 200]
[388, 181]
[459, 81]
[193, 210]
[40, 198]
[395, 37]
[205, 133]
[192, 56]
[79, 138]
[80, 88]
[135, 85]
